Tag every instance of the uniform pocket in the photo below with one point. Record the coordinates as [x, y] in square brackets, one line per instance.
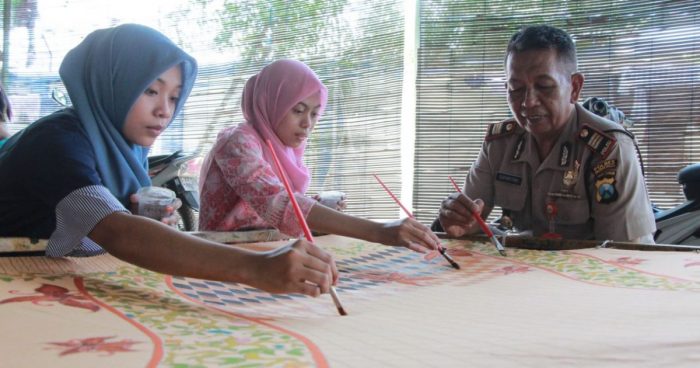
[510, 196]
[572, 211]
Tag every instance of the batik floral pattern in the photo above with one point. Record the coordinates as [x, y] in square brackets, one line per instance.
[194, 335]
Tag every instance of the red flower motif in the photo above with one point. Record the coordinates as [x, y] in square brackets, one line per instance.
[94, 344]
[54, 293]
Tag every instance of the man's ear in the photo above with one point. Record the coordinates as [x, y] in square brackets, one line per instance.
[576, 86]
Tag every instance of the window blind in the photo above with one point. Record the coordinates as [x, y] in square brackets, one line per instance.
[356, 48]
[640, 56]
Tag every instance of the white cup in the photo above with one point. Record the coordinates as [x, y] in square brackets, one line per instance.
[153, 201]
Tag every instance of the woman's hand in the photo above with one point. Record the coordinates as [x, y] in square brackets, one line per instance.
[411, 234]
[332, 199]
[171, 217]
[298, 267]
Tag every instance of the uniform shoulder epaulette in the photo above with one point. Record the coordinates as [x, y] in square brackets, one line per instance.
[597, 141]
[501, 129]
[621, 130]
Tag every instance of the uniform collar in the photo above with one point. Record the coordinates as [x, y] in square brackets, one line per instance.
[555, 158]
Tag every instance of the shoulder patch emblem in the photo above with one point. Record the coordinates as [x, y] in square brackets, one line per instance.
[501, 129]
[597, 141]
[605, 189]
[605, 167]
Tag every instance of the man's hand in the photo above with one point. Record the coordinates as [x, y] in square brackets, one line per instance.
[456, 214]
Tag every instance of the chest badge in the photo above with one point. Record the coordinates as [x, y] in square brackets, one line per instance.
[570, 177]
[550, 211]
[564, 154]
[519, 148]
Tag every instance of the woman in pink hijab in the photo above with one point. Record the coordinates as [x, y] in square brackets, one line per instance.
[239, 185]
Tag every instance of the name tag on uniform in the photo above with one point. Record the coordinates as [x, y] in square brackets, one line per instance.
[511, 179]
[564, 195]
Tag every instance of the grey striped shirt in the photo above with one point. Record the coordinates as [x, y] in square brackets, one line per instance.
[76, 216]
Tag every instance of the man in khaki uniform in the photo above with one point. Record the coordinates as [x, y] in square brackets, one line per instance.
[555, 169]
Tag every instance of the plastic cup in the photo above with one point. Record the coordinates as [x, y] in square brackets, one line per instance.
[331, 198]
[153, 202]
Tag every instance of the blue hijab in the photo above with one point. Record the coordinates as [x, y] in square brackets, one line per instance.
[105, 75]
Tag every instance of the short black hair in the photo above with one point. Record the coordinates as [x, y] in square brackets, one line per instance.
[541, 37]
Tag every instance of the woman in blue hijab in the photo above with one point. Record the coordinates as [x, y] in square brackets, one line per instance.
[68, 177]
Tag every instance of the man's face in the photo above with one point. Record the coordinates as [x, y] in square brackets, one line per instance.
[541, 91]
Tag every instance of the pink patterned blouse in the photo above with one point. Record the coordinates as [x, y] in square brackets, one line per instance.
[240, 189]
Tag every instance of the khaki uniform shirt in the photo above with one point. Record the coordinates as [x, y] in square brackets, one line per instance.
[589, 186]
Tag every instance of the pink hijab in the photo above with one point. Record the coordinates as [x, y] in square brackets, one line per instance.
[267, 97]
